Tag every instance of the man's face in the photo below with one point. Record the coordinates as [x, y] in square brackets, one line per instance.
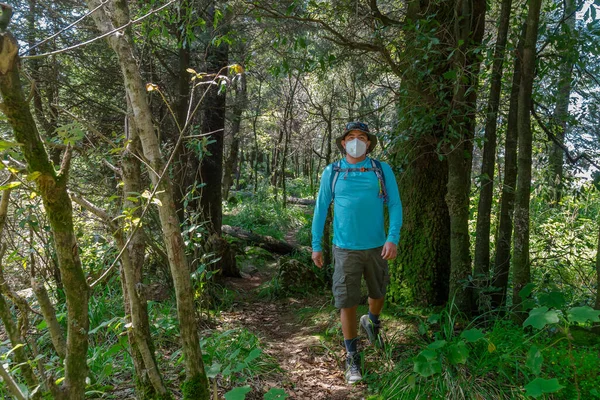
[356, 135]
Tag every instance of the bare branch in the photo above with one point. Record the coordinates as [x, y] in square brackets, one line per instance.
[383, 18]
[116, 170]
[131, 22]
[572, 159]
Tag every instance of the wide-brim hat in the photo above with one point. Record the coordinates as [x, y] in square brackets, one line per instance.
[357, 126]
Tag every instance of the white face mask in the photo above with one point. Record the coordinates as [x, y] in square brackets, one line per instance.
[356, 148]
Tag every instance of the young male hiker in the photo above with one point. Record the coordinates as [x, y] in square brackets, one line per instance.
[359, 187]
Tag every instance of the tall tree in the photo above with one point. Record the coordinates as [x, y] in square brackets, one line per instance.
[468, 28]
[484, 208]
[507, 197]
[196, 383]
[567, 47]
[521, 272]
[52, 186]
[239, 105]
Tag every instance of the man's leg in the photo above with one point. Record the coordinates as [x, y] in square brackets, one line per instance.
[350, 331]
[376, 305]
[348, 317]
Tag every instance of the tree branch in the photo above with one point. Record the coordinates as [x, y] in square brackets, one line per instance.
[572, 159]
[113, 31]
[383, 18]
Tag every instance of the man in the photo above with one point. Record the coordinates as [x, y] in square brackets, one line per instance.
[359, 187]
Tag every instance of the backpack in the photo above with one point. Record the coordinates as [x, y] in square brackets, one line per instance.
[375, 167]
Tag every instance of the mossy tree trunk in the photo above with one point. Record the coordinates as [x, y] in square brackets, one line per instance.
[486, 196]
[196, 383]
[568, 50]
[468, 30]
[423, 264]
[148, 381]
[52, 186]
[502, 260]
[521, 272]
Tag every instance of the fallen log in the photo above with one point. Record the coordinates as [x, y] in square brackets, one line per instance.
[268, 243]
[291, 200]
[303, 202]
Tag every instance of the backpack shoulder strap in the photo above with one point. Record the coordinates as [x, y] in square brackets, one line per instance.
[376, 164]
[335, 173]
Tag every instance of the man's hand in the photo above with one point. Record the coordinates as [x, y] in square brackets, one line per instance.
[317, 257]
[389, 251]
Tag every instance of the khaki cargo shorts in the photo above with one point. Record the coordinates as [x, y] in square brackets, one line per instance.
[350, 266]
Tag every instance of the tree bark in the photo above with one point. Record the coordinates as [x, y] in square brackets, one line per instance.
[149, 384]
[53, 189]
[196, 383]
[486, 196]
[423, 264]
[213, 123]
[522, 273]
[561, 110]
[239, 105]
[507, 197]
[469, 27]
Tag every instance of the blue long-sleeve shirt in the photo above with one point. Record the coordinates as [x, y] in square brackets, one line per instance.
[358, 219]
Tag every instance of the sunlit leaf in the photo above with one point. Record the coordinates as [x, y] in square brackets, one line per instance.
[33, 176]
[583, 314]
[540, 317]
[10, 185]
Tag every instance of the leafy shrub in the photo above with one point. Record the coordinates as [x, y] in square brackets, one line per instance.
[507, 360]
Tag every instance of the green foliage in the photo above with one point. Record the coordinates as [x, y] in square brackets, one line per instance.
[236, 356]
[263, 215]
[563, 245]
[499, 359]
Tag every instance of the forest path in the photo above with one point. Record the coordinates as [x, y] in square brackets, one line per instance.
[290, 331]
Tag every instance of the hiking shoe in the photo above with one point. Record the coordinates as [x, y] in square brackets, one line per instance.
[372, 331]
[353, 374]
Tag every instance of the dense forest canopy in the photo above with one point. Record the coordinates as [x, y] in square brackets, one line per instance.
[154, 152]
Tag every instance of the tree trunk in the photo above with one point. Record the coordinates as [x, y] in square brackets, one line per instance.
[148, 382]
[423, 264]
[211, 169]
[239, 104]
[213, 123]
[561, 110]
[486, 196]
[469, 27]
[598, 272]
[16, 340]
[521, 273]
[196, 383]
[507, 197]
[186, 165]
[57, 204]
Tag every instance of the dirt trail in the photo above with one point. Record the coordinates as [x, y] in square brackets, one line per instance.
[312, 371]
